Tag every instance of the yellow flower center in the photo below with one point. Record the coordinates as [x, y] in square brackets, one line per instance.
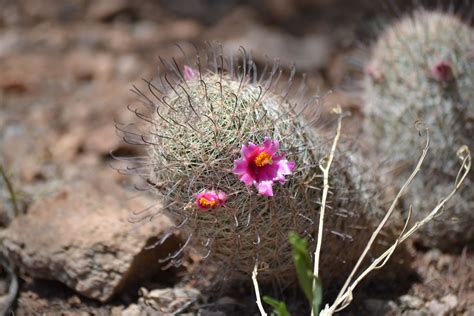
[263, 159]
[207, 203]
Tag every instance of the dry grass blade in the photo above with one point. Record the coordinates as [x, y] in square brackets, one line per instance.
[11, 191]
[257, 290]
[325, 169]
[346, 294]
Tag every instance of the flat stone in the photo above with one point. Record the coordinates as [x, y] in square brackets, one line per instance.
[411, 301]
[437, 308]
[80, 235]
[133, 310]
[450, 300]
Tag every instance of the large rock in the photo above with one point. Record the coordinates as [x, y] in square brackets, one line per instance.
[80, 236]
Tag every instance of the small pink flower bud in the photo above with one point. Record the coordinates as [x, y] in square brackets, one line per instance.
[189, 73]
[210, 199]
[374, 72]
[442, 70]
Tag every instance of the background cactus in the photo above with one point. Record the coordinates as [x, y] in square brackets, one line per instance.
[199, 117]
[422, 68]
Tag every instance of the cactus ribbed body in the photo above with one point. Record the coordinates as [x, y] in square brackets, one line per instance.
[422, 68]
[199, 122]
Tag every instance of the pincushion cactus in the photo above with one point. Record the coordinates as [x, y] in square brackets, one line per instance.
[421, 69]
[235, 159]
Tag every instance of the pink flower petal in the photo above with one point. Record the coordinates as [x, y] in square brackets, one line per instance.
[241, 166]
[269, 172]
[222, 197]
[265, 188]
[248, 151]
[247, 179]
[285, 167]
[271, 146]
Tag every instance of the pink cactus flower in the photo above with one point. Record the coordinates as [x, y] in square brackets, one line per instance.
[262, 166]
[189, 73]
[210, 199]
[374, 71]
[442, 70]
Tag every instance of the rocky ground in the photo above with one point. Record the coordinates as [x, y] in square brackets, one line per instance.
[66, 68]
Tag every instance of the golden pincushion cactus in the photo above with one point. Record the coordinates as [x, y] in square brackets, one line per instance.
[237, 165]
[422, 69]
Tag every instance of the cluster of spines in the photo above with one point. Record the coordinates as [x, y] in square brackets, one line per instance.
[250, 227]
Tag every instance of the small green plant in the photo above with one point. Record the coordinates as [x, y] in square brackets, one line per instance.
[279, 308]
[304, 271]
[15, 209]
[9, 185]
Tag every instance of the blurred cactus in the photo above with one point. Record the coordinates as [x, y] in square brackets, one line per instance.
[199, 117]
[421, 69]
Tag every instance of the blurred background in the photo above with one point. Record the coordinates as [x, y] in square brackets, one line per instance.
[66, 68]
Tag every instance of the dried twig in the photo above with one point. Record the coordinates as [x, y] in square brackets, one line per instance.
[325, 170]
[345, 295]
[257, 290]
